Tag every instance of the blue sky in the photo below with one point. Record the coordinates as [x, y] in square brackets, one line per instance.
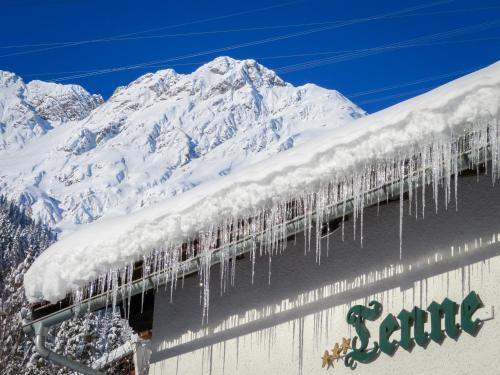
[335, 44]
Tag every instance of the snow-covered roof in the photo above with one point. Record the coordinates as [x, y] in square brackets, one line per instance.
[424, 129]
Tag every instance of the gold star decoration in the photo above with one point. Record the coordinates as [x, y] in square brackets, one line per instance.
[338, 352]
[327, 360]
[346, 345]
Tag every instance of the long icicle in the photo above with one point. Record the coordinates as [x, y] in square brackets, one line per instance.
[434, 163]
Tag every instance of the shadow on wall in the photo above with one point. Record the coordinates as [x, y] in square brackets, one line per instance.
[440, 243]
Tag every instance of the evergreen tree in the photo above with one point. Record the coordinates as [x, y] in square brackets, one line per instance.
[84, 339]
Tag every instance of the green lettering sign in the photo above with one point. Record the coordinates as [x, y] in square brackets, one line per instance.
[356, 317]
[449, 310]
[417, 319]
[470, 305]
[386, 329]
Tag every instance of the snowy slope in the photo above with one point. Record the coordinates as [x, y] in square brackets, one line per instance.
[163, 134]
[19, 121]
[28, 111]
[424, 129]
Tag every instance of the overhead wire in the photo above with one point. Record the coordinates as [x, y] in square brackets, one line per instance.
[272, 27]
[406, 84]
[333, 25]
[57, 45]
[193, 33]
[268, 57]
[398, 95]
[419, 41]
[247, 44]
[92, 70]
[337, 52]
[222, 31]
[411, 83]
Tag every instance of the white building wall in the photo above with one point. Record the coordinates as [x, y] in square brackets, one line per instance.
[285, 326]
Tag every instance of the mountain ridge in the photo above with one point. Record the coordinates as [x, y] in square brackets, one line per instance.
[28, 111]
[158, 136]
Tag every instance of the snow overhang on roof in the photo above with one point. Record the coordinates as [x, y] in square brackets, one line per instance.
[416, 142]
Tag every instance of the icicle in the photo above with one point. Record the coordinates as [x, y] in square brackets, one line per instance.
[355, 203]
[233, 268]
[129, 279]
[410, 184]
[269, 270]
[434, 163]
[363, 193]
[310, 200]
[415, 177]
[494, 142]
[252, 255]
[146, 264]
[320, 207]
[344, 201]
[115, 290]
[424, 182]
[455, 172]
[401, 194]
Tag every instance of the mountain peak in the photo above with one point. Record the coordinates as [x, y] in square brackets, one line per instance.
[249, 70]
[9, 80]
[57, 102]
[162, 134]
[28, 111]
[221, 75]
[223, 64]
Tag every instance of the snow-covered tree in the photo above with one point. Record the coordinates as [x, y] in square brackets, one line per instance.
[84, 339]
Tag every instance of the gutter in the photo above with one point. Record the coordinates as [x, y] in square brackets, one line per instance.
[41, 326]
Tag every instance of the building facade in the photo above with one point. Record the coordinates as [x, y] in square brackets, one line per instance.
[285, 321]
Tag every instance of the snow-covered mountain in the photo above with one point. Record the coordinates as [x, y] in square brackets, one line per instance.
[58, 102]
[161, 135]
[19, 121]
[28, 111]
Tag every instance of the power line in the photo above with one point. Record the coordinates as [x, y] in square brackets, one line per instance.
[394, 96]
[92, 70]
[272, 57]
[411, 83]
[247, 44]
[193, 33]
[415, 42]
[222, 31]
[130, 36]
[57, 45]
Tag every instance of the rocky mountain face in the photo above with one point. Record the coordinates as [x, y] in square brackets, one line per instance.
[162, 134]
[28, 111]
[19, 121]
[56, 102]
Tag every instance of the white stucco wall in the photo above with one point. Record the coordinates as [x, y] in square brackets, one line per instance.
[284, 327]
